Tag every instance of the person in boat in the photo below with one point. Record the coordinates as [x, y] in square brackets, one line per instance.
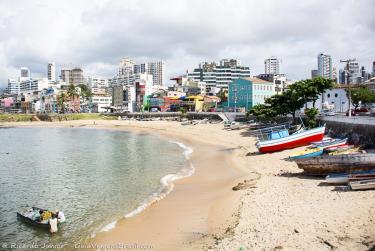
[60, 216]
[53, 224]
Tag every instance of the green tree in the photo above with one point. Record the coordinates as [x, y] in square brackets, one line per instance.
[311, 114]
[362, 94]
[293, 99]
[72, 91]
[61, 100]
[86, 93]
[223, 95]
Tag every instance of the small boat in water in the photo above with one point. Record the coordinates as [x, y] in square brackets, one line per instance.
[362, 184]
[37, 217]
[308, 153]
[344, 163]
[344, 178]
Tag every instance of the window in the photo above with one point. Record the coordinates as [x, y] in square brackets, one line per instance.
[328, 95]
[336, 95]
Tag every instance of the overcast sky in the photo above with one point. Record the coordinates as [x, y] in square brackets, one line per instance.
[96, 34]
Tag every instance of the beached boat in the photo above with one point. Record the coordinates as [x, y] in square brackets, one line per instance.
[350, 150]
[328, 143]
[25, 216]
[345, 163]
[362, 184]
[307, 153]
[343, 178]
[278, 140]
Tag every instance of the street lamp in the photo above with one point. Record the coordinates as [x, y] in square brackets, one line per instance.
[348, 61]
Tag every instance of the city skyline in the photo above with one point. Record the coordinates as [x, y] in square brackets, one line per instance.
[34, 33]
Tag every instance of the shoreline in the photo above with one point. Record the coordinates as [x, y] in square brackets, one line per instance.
[222, 201]
[279, 208]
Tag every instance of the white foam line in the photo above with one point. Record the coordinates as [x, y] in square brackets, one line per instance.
[166, 187]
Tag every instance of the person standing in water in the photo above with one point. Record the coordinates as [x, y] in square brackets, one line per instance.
[53, 224]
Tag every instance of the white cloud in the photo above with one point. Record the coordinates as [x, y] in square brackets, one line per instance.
[96, 34]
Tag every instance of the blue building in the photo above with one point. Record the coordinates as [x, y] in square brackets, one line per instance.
[244, 93]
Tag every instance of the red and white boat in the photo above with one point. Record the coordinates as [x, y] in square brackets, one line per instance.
[278, 140]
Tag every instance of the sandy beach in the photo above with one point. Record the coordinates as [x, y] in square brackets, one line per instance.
[276, 208]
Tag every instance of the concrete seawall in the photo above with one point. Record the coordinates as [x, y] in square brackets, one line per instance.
[359, 130]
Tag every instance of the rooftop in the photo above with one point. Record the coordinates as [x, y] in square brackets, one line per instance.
[258, 80]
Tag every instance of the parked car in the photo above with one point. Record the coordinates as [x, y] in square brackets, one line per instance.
[361, 109]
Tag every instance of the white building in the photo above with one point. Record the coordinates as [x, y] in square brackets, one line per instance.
[219, 75]
[51, 71]
[325, 66]
[336, 97]
[272, 65]
[101, 102]
[32, 85]
[13, 86]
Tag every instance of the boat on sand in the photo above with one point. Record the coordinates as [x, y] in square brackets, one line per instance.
[307, 153]
[344, 178]
[278, 139]
[345, 163]
[362, 184]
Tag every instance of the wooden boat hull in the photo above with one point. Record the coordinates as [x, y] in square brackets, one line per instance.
[362, 184]
[346, 163]
[29, 221]
[291, 141]
[343, 178]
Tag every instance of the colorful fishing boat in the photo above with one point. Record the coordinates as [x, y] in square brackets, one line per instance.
[330, 142]
[344, 163]
[343, 178]
[278, 139]
[307, 153]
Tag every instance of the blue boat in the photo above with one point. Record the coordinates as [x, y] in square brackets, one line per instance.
[308, 153]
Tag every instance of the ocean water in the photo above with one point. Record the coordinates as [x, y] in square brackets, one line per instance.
[95, 176]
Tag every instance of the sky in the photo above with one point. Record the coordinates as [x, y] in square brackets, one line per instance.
[96, 34]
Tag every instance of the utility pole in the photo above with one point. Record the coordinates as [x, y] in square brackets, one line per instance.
[348, 61]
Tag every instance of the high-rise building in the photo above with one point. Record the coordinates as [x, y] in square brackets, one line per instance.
[13, 86]
[65, 75]
[272, 65]
[24, 74]
[354, 73]
[77, 76]
[219, 75]
[157, 70]
[51, 71]
[325, 66]
[73, 76]
[314, 73]
[373, 69]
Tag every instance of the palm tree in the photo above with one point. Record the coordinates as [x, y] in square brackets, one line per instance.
[61, 99]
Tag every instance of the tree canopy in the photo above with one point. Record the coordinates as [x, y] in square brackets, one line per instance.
[292, 99]
[362, 94]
